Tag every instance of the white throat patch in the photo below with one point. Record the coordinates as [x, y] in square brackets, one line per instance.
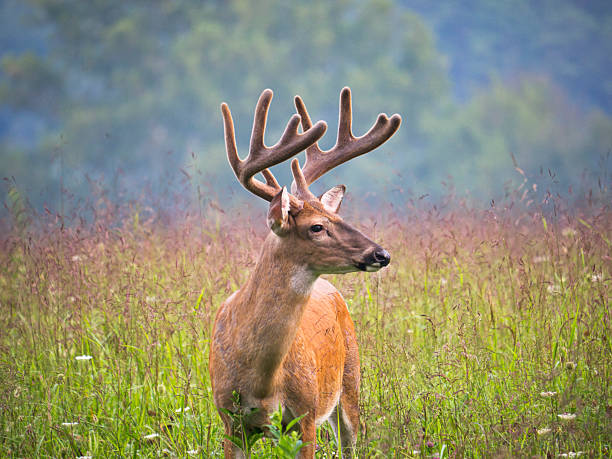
[302, 280]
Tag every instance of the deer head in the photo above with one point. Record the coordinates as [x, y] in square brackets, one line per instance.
[309, 230]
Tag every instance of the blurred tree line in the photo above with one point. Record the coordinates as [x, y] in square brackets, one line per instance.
[568, 39]
[130, 91]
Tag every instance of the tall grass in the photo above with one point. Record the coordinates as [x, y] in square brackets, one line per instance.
[487, 336]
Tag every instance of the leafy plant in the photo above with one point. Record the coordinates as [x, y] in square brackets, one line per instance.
[287, 442]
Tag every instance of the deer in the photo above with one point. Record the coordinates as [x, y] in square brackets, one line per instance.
[285, 338]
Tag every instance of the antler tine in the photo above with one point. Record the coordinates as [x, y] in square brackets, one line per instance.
[260, 157]
[301, 187]
[345, 118]
[230, 138]
[347, 146]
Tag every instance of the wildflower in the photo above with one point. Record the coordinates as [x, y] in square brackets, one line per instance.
[193, 452]
[598, 277]
[540, 259]
[77, 258]
[553, 288]
[544, 431]
[70, 424]
[443, 281]
[572, 454]
[548, 394]
[182, 410]
[151, 299]
[566, 416]
[84, 457]
[83, 357]
[151, 437]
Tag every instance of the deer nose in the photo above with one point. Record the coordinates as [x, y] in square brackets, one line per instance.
[382, 256]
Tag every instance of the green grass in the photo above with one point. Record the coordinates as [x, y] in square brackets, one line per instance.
[478, 317]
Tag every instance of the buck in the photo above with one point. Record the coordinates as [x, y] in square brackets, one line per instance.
[286, 337]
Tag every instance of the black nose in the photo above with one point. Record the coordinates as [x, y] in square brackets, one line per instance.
[382, 256]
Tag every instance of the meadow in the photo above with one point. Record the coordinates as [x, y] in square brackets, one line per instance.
[488, 335]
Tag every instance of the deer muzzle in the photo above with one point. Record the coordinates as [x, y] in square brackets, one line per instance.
[376, 259]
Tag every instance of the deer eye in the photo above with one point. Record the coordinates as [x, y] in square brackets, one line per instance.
[316, 228]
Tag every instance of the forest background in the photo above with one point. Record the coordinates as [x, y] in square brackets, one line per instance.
[124, 96]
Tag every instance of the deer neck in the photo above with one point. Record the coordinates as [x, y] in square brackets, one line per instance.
[273, 300]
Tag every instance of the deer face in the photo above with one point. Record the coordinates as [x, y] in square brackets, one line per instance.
[319, 239]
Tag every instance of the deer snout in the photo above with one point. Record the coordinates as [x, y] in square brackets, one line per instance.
[381, 256]
[375, 260]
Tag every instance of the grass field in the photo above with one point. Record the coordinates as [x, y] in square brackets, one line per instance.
[488, 335]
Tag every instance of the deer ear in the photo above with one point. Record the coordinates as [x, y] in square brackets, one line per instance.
[332, 199]
[278, 213]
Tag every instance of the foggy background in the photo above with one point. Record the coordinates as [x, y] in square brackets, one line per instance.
[121, 99]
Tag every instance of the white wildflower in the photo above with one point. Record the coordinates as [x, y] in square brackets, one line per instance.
[566, 416]
[544, 431]
[554, 288]
[443, 281]
[83, 357]
[151, 299]
[84, 457]
[77, 258]
[70, 424]
[151, 436]
[548, 394]
[540, 259]
[597, 277]
[193, 452]
[182, 410]
[572, 454]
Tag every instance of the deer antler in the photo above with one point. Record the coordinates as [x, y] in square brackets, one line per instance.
[260, 157]
[347, 146]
